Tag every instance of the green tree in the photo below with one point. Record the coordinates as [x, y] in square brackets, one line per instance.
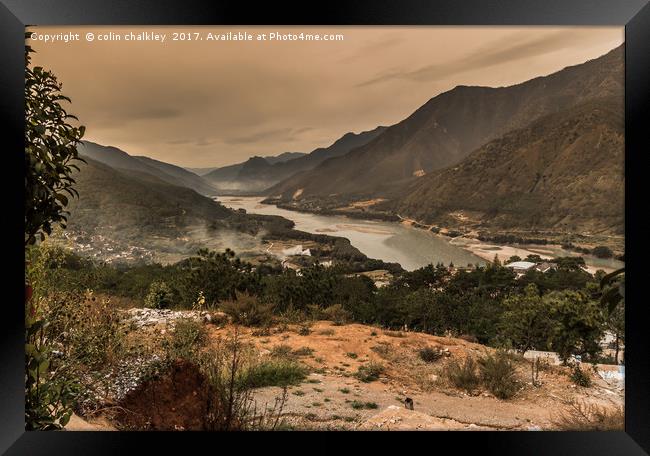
[159, 296]
[50, 151]
[526, 323]
[580, 323]
[616, 325]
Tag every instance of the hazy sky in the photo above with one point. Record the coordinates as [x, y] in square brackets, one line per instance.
[211, 103]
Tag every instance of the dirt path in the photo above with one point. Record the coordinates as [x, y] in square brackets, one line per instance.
[333, 398]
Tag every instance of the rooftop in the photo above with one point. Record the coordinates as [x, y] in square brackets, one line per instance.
[520, 265]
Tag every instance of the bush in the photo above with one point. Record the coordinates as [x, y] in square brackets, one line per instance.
[230, 405]
[304, 330]
[337, 314]
[274, 372]
[430, 355]
[463, 376]
[602, 252]
[358, 405]
[590, 417]
[369, 372]
[498, 375]
[159, 296]
[86, 329]
[248, 311]
[188, 337]
[580, 377]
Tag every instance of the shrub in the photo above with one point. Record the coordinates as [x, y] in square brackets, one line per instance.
[580, 377]
[303, 351]
[281, 351]
[580, 416]
[358, 405]
[468, 338]
[602, 252]
[304, 330]
[369, 372]
[248, 311]
[430, 355]
[463, 376]
[337, 314]
[188, 337]
[159, 296]
[274, 372]
[86, 329]
[230, 405]
[498, 375]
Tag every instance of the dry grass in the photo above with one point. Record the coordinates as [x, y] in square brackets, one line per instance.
[580, 416]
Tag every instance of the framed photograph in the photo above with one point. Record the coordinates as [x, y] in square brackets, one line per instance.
[369, 219]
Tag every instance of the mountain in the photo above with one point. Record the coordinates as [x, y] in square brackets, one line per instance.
[131, 204]
[180, 176]
[283, 157]
[201, 171]
[447, 128]
[259, 173]
[118, 159]
[563, 172]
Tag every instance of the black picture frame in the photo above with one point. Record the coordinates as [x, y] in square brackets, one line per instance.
[633, 14]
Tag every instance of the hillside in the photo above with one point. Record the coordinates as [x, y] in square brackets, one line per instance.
[118, 159]
[331, 397]
[181, 175]
[447, 128]
[259, 173]
[565, 172]
[129, 204]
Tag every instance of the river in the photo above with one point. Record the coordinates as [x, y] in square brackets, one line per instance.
[408, 246]
[387, 241]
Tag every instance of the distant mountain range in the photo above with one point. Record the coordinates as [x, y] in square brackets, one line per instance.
[259, 173]
[120, 160]
[403, 163]
[565, 171]
[546, 153]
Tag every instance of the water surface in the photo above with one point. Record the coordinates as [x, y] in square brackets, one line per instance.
[387, 241]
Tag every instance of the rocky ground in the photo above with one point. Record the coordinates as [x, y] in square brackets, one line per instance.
[331, 397]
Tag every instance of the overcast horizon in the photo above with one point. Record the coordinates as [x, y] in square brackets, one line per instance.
[206, 104]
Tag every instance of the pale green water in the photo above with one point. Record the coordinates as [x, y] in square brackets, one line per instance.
[387, 241]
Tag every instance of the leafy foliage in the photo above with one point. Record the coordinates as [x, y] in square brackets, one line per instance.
[369, 372]
[463, 375]
[50, 152]
[526, 322]
[580, 377]
[498, 375]
[159, 296]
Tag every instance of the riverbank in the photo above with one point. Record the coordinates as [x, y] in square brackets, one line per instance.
[385, 240]
[467, 241]
[488, 251]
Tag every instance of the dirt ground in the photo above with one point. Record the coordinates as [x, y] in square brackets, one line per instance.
[325, 399]
[332, 398]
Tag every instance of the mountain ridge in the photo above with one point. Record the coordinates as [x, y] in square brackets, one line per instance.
[447, 128]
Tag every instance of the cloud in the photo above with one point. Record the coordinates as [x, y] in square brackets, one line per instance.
[505, 50]
[255, 137]
[154, 113]
[204, 142]
[377, 45]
